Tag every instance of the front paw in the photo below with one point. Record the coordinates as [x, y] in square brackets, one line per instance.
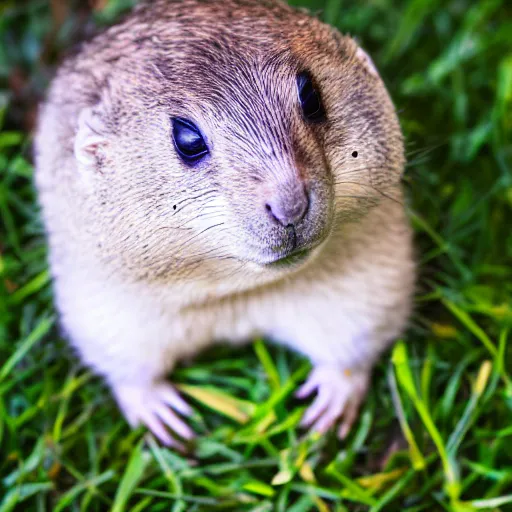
[339, 393]
[154, 406]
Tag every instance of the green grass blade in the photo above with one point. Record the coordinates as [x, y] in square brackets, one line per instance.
[23, 492]
[401, 361]
[131, 478]
[42, 328]
[470, 324]
[268, 364]
[492, 503]
[30, 288]
[352, 490]
[417, 459]
[467, 418]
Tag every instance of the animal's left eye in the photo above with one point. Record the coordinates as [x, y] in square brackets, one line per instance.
[310, 100]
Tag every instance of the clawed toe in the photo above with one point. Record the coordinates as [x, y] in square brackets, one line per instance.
[339, 396]
[157, 428]
[157, 407]
[330, 415]
[316, 409]
[173, 421]
[349, 417]
[308, 387]
[171, 397]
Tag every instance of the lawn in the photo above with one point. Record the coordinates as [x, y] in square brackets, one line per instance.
[436, 431]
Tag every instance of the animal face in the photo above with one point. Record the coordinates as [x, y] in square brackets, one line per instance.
[243, 146]
[262, 155]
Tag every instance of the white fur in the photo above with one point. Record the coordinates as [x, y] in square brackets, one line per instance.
[143, 280]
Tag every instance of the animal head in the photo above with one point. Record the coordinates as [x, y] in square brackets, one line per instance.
[229, 134]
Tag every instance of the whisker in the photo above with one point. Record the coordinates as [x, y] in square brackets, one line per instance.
[381, 192]
[171, 227]
[366, 168]
[184, 244]
[426, 150]
[180, 205]
[208, 215]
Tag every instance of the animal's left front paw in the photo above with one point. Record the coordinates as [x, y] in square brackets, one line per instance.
[339, 394]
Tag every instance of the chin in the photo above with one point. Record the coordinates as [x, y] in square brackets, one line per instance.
[284, 263]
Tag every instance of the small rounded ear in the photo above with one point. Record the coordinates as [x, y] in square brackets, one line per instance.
[367, 62]
[91, 137]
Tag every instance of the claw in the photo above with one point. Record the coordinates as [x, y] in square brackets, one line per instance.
[317, 408]
[157, 428]
[339, 395]
[349, 418]
[171, 397]
[308, 387]
[331, 414]
[173, 421]
[149, 405]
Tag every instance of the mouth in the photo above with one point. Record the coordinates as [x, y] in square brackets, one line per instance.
[289, 259]
[286, 256]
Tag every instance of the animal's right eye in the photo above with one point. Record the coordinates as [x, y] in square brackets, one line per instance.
[188, 141]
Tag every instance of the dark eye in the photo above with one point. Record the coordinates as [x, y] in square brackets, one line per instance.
[310, 100]
[188, 140]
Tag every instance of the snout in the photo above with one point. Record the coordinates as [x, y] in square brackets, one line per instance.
[288, 219]
[288, 205]
[293, 219]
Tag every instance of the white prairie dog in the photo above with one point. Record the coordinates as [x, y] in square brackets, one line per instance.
[215, 171]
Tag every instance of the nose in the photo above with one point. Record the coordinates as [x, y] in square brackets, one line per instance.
[289, 205]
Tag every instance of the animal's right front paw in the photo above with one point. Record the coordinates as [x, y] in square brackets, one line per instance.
[155, 406]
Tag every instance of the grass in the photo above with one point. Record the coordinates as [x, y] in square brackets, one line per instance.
[436, 431]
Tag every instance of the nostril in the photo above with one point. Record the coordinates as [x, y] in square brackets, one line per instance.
[269, 209]
[288, 210]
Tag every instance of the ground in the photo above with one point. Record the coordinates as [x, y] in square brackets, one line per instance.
[436, 431]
